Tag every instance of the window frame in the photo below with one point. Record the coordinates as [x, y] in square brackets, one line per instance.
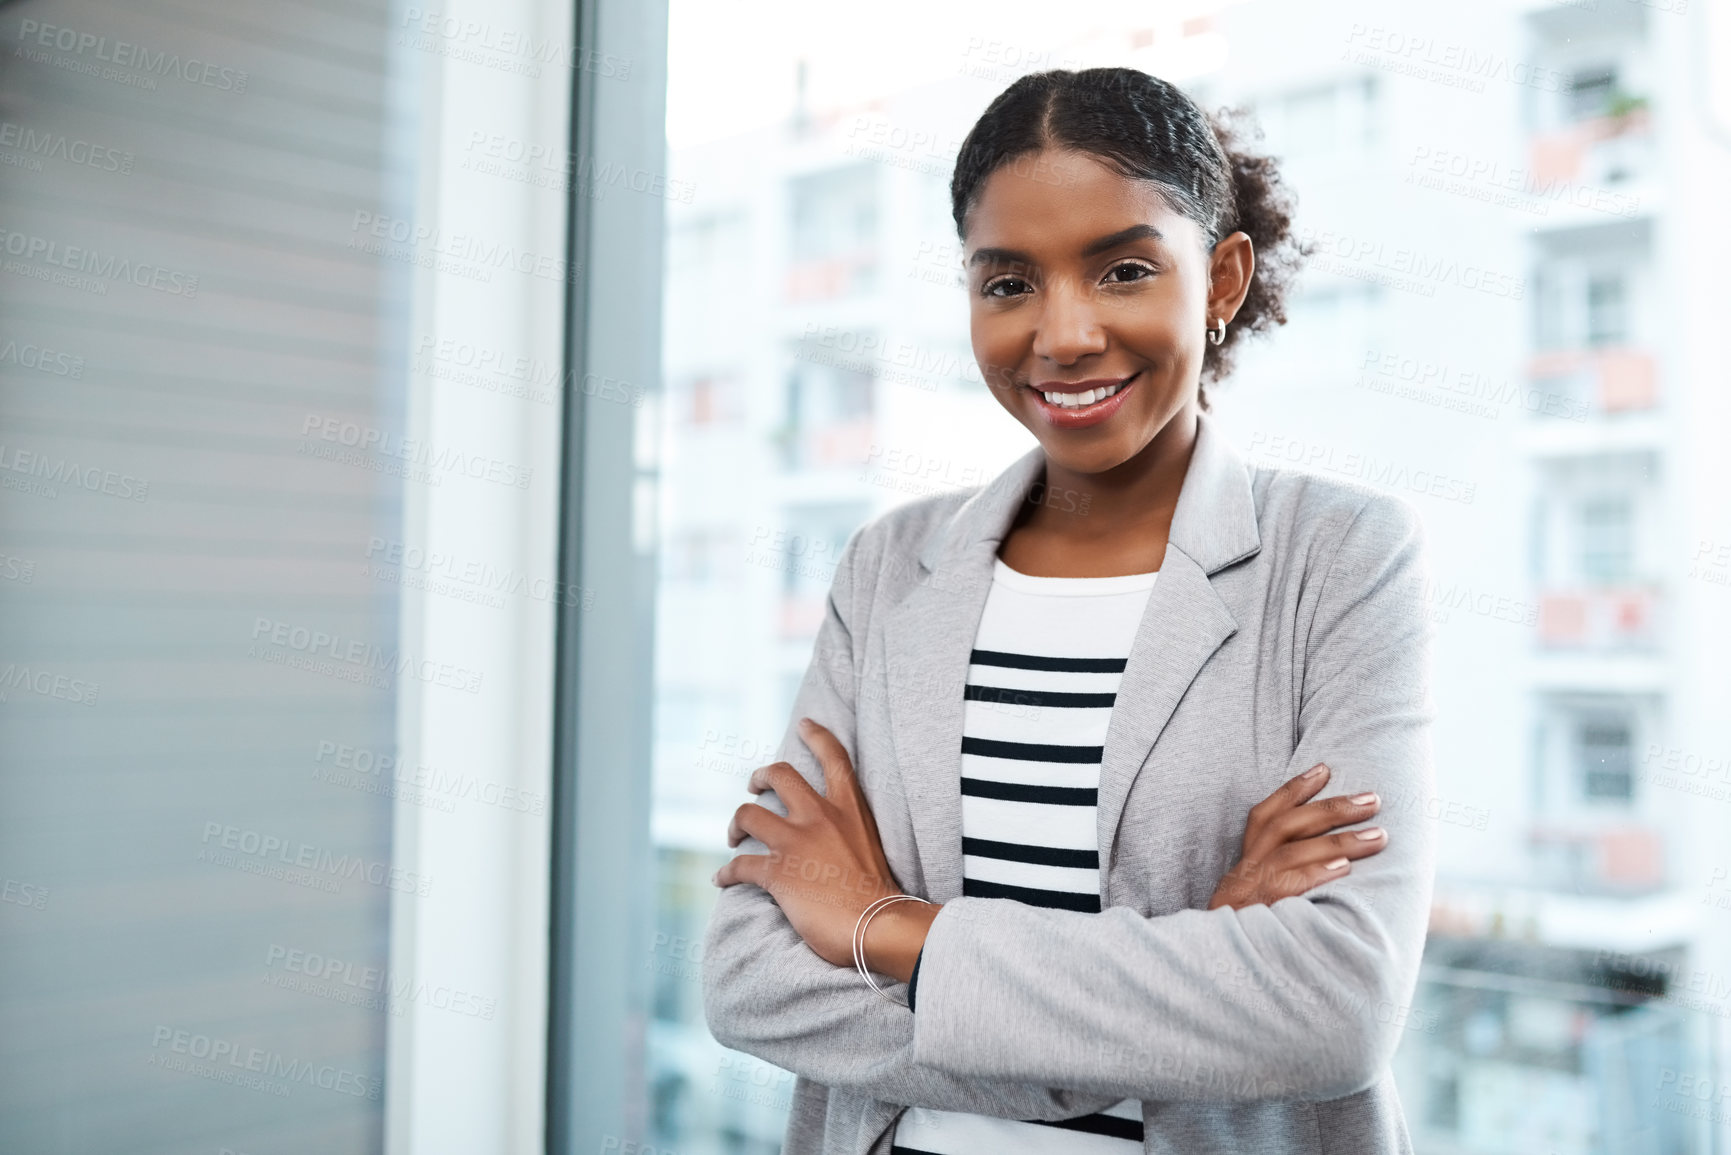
[601, 914]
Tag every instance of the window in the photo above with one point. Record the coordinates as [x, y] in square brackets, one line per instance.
[1590, 93]
[287, 695]
[829, 404]
[1607, 539]
[1604, 756]
[1607, 317]
[834, 220]
[1402, 364]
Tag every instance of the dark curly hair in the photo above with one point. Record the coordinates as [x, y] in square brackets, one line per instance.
[1148, 129]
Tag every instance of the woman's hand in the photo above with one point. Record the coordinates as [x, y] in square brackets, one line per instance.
[825, 863]
[1287, 845]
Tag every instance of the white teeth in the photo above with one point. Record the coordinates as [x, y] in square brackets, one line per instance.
[1078, 400]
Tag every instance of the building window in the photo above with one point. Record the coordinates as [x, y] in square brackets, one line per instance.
[1607, 539]
[1607, 314]
[1590, 93]
[1604, 759]
[829, 410]
[834, 233]
[708, 401]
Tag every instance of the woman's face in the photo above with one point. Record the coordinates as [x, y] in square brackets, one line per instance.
[1088, 305]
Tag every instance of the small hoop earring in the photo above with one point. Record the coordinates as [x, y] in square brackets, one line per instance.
[1217, 333]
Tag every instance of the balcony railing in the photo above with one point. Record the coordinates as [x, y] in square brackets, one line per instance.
[1602, 150]
[827, 278]
[1602, 618]
[1614, 379]
[1623, 858]
[831, 446]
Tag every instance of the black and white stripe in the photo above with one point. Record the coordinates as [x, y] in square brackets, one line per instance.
[1042, 682]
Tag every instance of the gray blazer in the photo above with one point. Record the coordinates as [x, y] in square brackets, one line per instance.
[1287, 628]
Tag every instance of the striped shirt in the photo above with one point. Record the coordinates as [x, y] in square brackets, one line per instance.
[1041, 684]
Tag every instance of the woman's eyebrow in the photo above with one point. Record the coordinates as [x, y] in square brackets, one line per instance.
[1094, 248]
[999, 257]
[1123, 237]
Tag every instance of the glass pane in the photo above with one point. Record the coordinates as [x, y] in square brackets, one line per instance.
[201, 389]
[1472, 268]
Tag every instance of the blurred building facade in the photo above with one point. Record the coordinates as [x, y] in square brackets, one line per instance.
[1502, 320]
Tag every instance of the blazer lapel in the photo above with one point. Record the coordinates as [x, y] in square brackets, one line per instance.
[927, 641]
[1184, 622]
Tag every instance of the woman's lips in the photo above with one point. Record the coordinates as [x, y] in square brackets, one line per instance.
[1088, 414]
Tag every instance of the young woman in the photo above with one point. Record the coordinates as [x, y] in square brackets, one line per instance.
[1076, 723]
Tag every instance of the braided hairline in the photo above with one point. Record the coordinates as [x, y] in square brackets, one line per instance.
[1181, 130]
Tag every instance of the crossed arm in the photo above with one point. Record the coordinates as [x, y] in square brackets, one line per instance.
[1044, 1014]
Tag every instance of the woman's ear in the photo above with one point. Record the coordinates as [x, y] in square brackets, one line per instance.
[1230, 267]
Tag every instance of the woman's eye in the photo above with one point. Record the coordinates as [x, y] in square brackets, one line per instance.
[1004, 287]
[1128, 271]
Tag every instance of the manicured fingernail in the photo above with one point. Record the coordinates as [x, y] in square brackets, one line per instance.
[1316, 771]
[805, 722]
[1370, 835]
[715, 879]
[1335, 865]
[1364, 799]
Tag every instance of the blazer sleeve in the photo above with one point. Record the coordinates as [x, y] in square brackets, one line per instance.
[767, 994]
[1304, 999]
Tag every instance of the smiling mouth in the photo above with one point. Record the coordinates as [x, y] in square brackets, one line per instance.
[1085, 398]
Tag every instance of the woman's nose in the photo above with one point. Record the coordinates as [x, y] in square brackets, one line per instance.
[1068, 328]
